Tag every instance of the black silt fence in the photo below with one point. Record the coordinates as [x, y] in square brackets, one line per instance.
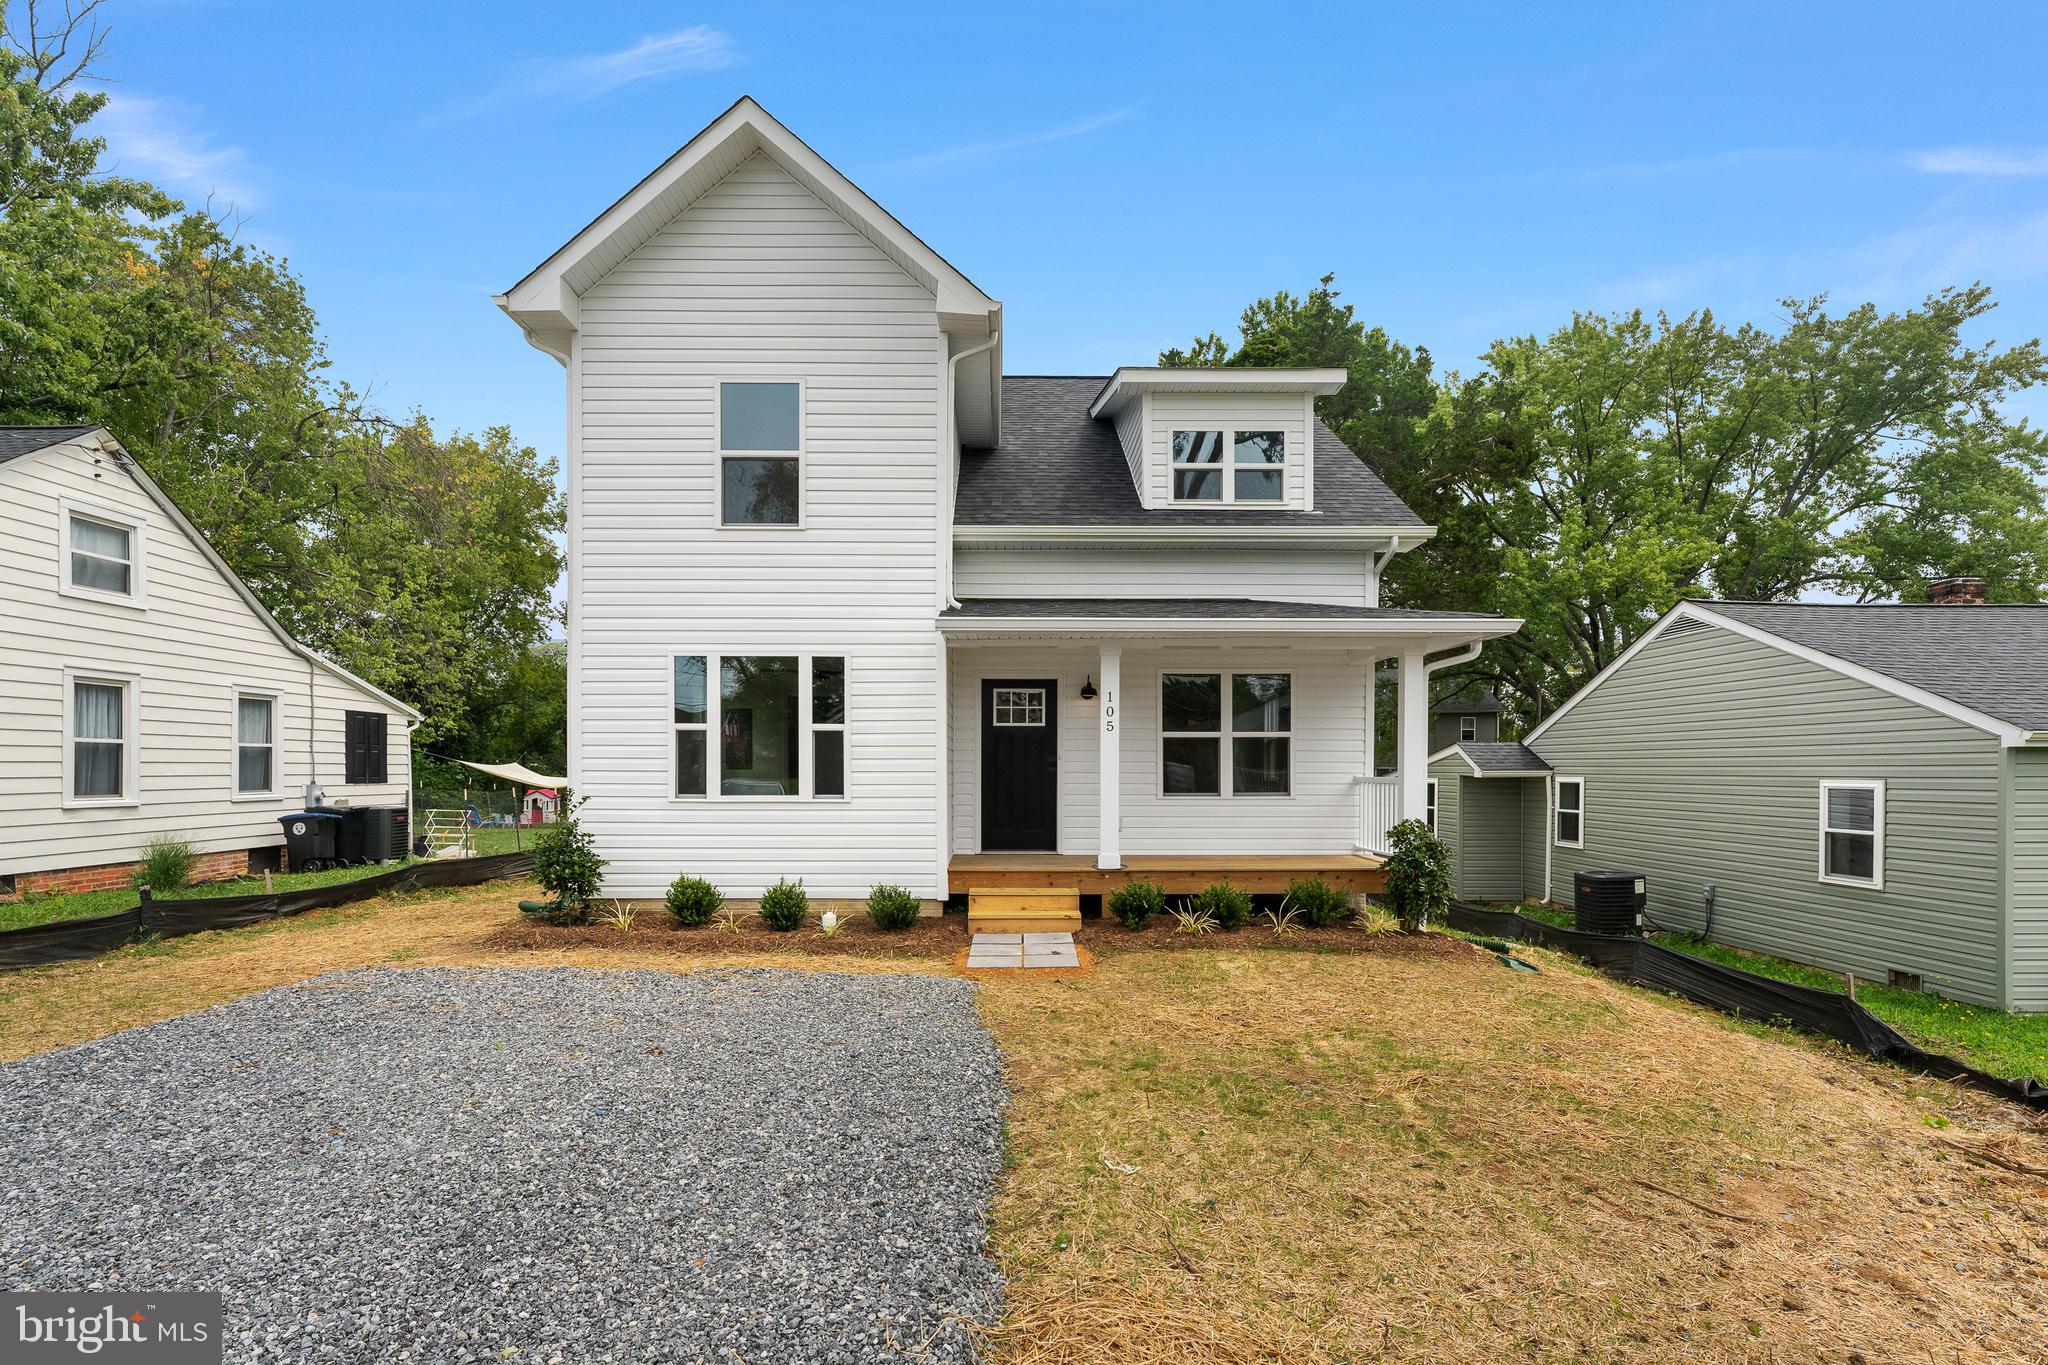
[1733, 991]
[73, 940]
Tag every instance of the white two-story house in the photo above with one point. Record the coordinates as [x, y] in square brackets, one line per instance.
[848, 603]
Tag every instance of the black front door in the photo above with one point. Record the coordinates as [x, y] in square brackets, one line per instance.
[1020, 765]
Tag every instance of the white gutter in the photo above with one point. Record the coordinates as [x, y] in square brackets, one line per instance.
[952, 463]
[1138, 531]
[1483, 629]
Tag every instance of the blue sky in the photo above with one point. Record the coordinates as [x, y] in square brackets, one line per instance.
[1125, 176]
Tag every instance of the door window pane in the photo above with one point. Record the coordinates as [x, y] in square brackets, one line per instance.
[1191, 766]
[1258, 767]
[758, 417]
[757, 740]
[760, 492]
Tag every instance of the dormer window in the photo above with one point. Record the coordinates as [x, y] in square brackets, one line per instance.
[1257, 471]
[102, 555]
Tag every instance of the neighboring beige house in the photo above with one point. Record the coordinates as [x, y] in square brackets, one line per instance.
[145, 692]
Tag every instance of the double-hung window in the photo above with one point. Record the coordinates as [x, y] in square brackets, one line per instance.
[1468, 728]
[1852, 833]
[99, 751]
[102, 555]
[1256, 472]
[255, 744]
[754, 725]
[1571, 812]
[760, 453]
[1226, 734]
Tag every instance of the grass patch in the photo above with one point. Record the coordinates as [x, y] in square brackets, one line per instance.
[2004, 1044]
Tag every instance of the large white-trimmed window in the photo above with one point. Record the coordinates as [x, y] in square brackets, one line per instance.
[1571, 812]
[100, 750]
[102, 554]
[1254, 471]
[1852, 834]
[1226, 734]
[760, 452]
[255, 755]
[750, 726]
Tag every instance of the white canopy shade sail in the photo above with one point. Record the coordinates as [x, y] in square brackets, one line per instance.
[517, 772]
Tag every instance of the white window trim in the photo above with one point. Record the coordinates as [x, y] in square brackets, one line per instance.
[138, 554]
[1875, 786]
[131, 737]
[1226, 769]
[1429, 805]
[1229, 466]
[719, 454]
[276, 789]
[1468, 729]
[714, 716]
[1558, 812]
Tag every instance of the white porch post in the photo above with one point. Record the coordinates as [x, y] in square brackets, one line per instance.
[1109, 841]
[1372, 725]
[1411, 735]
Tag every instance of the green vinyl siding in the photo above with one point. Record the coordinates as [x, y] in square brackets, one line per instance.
[1703, 758]
[2027, 879]
[1535, 837]
[1445, 773]
[1491, 855]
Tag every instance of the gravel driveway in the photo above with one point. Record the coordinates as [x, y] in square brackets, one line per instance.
[538, 1165]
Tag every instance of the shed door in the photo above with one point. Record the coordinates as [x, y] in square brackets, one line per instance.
[1019, 764]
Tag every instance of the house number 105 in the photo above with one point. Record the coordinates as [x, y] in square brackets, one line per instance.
[1109, 710]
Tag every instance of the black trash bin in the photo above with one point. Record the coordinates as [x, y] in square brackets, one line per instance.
[309, 838]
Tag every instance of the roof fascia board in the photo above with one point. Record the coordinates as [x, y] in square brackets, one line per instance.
[1130, 381]
[127, 462]
[537, 292]
[1409, 536]
[2007, 733]
[1453, 630]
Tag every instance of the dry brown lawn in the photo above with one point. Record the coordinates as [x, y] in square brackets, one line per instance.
[1229, 1153]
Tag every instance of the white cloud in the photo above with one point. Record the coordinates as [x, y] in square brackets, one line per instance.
[1003, 146]
[160, 141]
[696, 48]
[1979, 161]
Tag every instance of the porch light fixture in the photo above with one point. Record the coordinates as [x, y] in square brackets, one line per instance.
[1088, 688]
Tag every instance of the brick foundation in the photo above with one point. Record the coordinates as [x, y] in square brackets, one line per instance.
[207, 867]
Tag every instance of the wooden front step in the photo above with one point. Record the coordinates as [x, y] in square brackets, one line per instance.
[1007, 910]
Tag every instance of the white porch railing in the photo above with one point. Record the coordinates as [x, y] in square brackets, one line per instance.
[1379, 810]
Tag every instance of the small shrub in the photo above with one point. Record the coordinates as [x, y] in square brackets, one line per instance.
[1136, 902]
[892, 908]
[566, 864]
[1190, 918]
[1321, 904]
[785, 904]
[1225, 904]
[1285, 920]
[727, 921]
[620, 916]
[693, 901]
[1418, 875]
[166, 866]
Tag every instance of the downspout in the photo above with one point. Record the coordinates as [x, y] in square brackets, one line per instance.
[952, 468]
[1379, 566]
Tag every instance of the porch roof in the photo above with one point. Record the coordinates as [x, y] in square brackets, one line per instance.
[1209, 615]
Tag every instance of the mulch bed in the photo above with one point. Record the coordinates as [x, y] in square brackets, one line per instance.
[945, 936]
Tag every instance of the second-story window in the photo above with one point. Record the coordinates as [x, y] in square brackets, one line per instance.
[1256, 472]
[760, 453]
[102, 556]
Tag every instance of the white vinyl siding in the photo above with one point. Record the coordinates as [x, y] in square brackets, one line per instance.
[196, 645]
[1319, 814]
[1130, 434]
[1283, 412]
[1331, 577]
[757, 280]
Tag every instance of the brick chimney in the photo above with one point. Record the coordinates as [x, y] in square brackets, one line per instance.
[1956, 592]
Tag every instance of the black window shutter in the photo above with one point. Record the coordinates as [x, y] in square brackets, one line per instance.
[363, 746]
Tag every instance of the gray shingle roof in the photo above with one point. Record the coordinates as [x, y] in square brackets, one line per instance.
[1469, 701]
[1057, 466]
[28, 440]
[1502, 758]
[1992, 659]
[1174, 608]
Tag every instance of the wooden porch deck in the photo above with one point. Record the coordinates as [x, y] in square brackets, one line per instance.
[1260, 874]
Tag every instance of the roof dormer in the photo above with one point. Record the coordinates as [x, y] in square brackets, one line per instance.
[1237, 438]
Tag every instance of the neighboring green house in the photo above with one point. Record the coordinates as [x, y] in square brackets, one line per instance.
[1470, 715]
[1862, 788]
